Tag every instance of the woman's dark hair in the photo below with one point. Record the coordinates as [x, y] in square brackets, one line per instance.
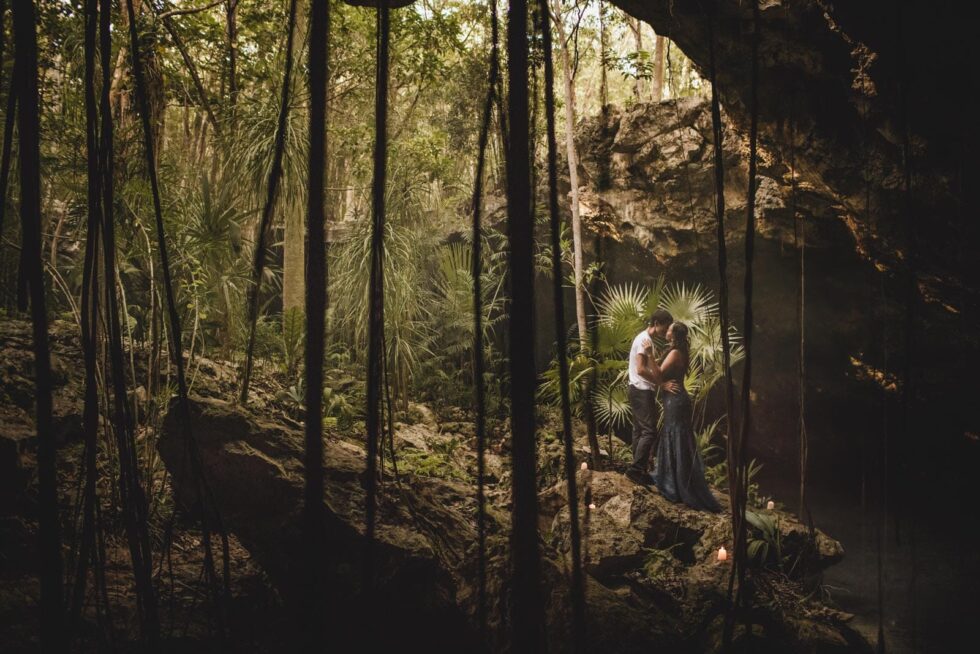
[680, 339]
[660, 317]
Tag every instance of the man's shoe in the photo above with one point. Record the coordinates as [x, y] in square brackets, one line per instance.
[637, 477]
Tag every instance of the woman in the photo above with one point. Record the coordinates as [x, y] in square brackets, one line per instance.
[679, 470]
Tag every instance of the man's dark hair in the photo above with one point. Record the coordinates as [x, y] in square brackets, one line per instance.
[660, 317]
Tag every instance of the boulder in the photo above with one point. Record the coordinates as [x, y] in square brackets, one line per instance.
[425, 539]
[18, 434]
[663, 556]
[425, 552]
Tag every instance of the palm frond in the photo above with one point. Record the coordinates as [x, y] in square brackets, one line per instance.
[692, 305]
[610, 403]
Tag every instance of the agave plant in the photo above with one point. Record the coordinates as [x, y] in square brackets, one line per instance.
[408, 303]
[209, 258]
[453, 294]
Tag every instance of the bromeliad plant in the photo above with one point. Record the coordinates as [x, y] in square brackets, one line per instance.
[622, 313]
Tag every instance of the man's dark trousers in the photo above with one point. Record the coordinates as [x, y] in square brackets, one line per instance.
[643, 403]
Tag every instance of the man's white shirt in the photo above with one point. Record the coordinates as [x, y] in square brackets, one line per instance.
[642, 344]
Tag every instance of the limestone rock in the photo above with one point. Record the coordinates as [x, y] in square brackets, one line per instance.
[425, 553]
[426, 532]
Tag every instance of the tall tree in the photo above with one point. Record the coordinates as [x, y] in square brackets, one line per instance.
[231, 33]
[272, 192]
[578, 583]
[636, 27]
[527, 616]
[89, 320]
[479, 382]
[659, 50]
[192, 454]
[29, 155]
[10, 113]
[316, 282]
[603, 57]
[376, 341]
[572, 154]
[294, 234]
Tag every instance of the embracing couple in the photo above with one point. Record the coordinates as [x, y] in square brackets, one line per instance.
[678, 471]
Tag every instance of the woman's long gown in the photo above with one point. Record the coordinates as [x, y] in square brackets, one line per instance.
[679, 471]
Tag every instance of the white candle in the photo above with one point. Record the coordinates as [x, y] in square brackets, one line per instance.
[592, 506]
[585, 466]
[770, 505]
[722, 554]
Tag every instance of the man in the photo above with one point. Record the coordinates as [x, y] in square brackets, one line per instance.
[643, 394]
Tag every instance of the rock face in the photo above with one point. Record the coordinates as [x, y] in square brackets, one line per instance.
[17, 432]
[655, 214]
[664, 556]
[660, 193]
[841, 82]
[426, 553]
[848, 94]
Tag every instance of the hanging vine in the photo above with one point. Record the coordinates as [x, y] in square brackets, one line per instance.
[526, 608]
[316, 307]
[376, 286]
[479, 383]
[740, 472]
[205, 501]
[578, 584]
[272, 192]
[29, 155]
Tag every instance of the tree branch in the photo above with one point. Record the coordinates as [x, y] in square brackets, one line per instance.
[191, 10]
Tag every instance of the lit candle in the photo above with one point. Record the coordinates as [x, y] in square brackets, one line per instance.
[585, 466]
[592, 506]
[722, 554]
[770, 505]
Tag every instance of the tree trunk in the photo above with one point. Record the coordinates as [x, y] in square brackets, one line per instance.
[572, 177]
[28, 129]
[293, 257]
[637, 28]
[231, 15]
[603, 57]
[526, 609]
[658, 68]
[294, 236]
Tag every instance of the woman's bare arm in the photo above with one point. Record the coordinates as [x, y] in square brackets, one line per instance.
[647, 368]
[670, 362]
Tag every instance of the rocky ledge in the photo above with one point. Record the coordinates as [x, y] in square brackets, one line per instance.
[652, 575]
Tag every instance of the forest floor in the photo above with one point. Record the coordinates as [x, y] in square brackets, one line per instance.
[638, 578]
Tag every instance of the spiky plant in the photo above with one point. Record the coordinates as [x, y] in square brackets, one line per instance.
[623, 310]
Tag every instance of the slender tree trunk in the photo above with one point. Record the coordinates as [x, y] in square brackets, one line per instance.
[578, 264]
[202, 93]
[527, 615]
[572, 154]
[316, 305]
[636, 26]
[10, 113]
[272, 192]
[603, 58]
[3, 40]
[578, 584]
[89, 323]
[231, 17]
[683, 83]
[657, 88]
[6, 158]
[29, 153]
[294, 236]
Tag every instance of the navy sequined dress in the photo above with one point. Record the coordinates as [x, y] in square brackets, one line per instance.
[679, 471]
